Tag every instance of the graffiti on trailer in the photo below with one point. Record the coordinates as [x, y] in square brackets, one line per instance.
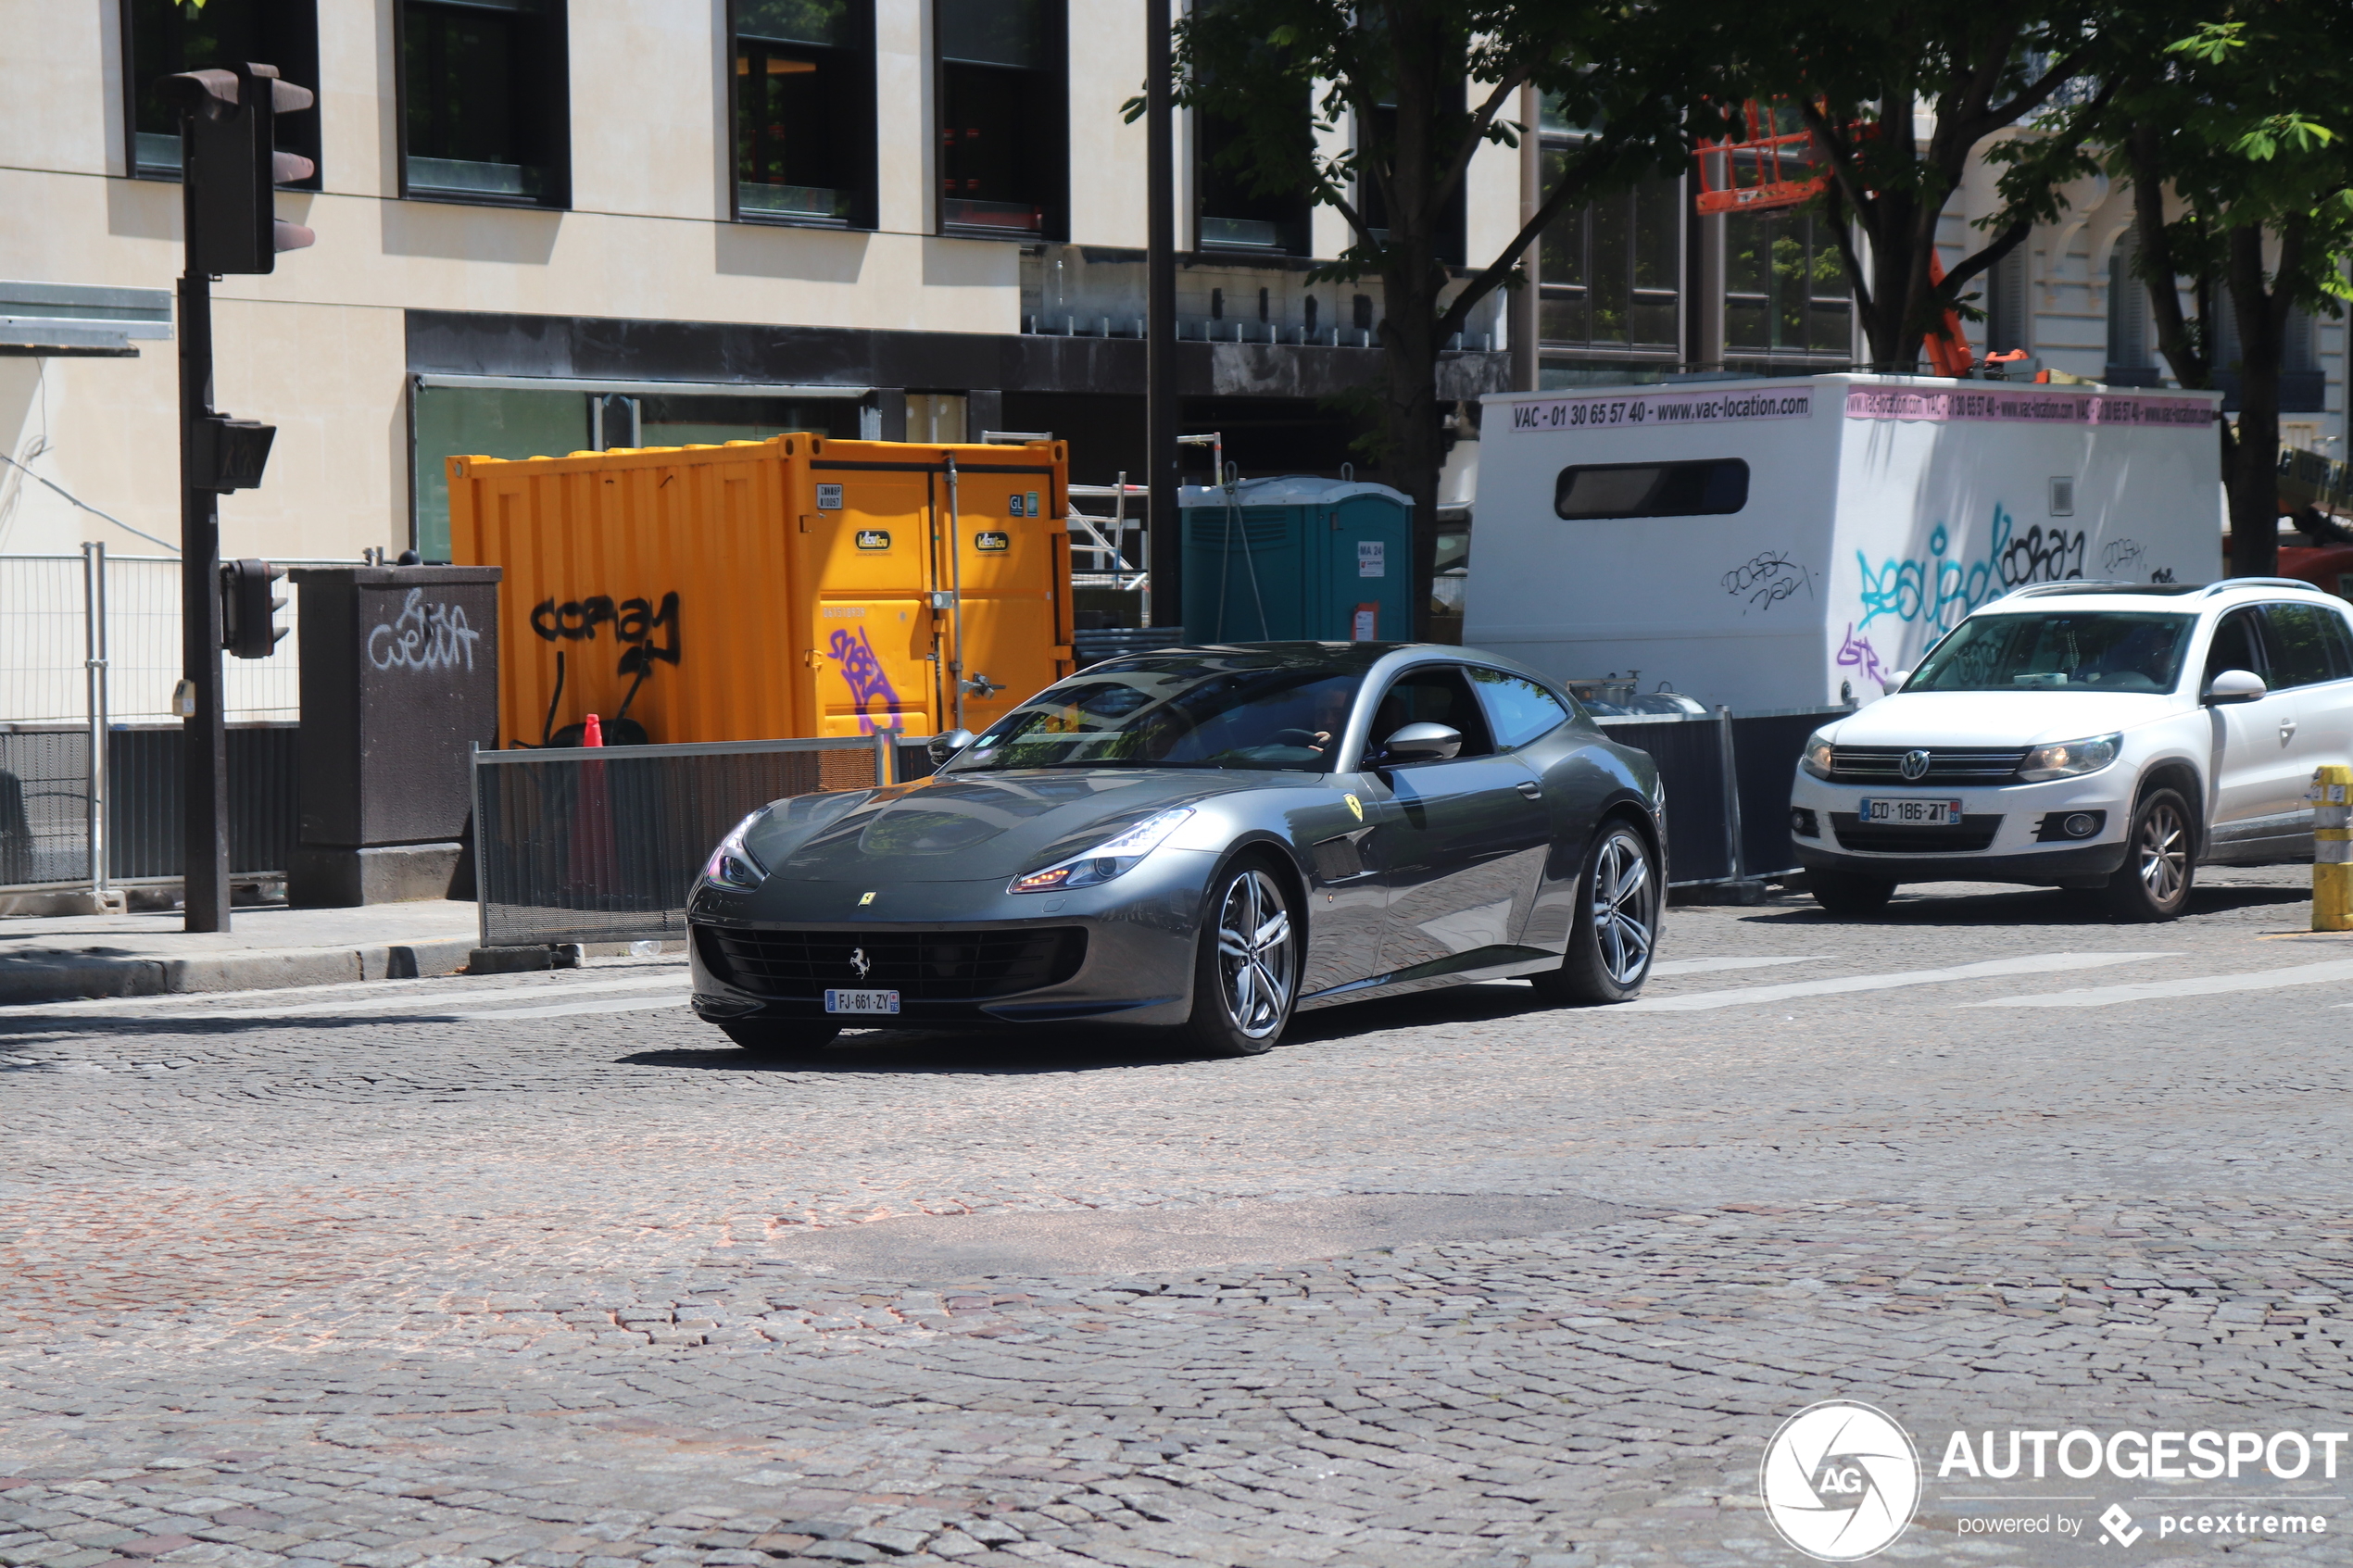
[634, 624]
[2121, 555]
[1857, 654]
[1939, 591]
[1768, 579]
[424, 637]
[863, 670]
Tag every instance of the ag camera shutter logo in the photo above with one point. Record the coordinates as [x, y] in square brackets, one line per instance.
[1840, 1480]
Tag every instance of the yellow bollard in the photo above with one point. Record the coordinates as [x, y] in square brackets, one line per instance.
[2332, 797]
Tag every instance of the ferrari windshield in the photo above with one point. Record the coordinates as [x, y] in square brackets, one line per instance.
[2062, 650]
[1166, 713]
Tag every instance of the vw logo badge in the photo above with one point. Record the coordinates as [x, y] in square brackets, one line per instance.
[1915, 766]
[860, 962]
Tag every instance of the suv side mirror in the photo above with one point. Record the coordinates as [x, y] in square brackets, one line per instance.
[2235, 685]
[942, 748]
[1895, 680]
[1421, 742]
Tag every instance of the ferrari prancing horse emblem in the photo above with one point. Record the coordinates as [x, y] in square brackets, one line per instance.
[1356, 805]
[860, 962]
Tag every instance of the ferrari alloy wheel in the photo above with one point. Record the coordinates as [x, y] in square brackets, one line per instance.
[1248, 975]
[2154, 881]
[1616, 932]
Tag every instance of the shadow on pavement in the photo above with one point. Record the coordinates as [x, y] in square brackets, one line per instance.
[2020, 905]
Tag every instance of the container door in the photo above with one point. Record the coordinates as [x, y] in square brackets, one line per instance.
[1000, 555]
[864, 552]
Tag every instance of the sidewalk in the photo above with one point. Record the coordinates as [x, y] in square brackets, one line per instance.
[42, 958]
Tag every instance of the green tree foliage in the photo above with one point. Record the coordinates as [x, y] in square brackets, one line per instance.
[2230, 122]
[1900, 99]
[1403, 93]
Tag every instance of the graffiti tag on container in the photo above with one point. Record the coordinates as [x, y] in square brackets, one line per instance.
[1768, 579]
[1940, 590]
[863, 670]
[1857, 654]
[2122, 555]
[634, 624]
[424, 637]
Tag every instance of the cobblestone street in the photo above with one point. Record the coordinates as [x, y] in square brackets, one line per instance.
[539, 1270]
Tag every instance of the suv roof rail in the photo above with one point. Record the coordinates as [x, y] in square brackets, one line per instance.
[2073, 585]
[2265, 582]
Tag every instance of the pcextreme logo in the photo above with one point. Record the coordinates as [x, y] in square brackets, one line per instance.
[1840, 1480]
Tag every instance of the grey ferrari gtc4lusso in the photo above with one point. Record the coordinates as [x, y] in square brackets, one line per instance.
[1204, 838]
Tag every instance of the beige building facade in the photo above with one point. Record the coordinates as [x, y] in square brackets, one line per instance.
[548, 225]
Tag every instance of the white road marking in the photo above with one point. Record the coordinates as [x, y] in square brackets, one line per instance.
[2198, 985]
[438, 1000]
[1710, 966]
[2039, 963]
[634, 1004]
[180, 998]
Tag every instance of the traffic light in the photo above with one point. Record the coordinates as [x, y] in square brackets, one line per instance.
[249, 626]
[232, 166]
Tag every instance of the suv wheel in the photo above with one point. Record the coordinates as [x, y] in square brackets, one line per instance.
[1850, 894]
[2154, 881]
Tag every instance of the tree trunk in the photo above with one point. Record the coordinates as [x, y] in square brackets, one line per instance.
[2254, 480]
[1409, 412]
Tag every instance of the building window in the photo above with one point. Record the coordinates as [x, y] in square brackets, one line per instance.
[163, 38]
[1785, 291]
[1235, 212]
[1374, 206]
[485, 101]
[804, 91]
[1004, 120]
[2005, 305]
[1610, 272]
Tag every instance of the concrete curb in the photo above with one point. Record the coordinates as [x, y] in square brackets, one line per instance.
[60, 975]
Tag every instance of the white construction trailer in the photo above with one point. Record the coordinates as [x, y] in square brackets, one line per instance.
[1795, 543]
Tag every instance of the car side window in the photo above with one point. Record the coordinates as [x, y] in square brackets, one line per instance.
[2236, 645]
[2340, 638]
[1436, 695]
[2302, 654]
[1517, 707]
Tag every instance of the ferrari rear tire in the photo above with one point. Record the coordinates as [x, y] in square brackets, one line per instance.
[1619, 898]
[781, 1041]
[1246, 971]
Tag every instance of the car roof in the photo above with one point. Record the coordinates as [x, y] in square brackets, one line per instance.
[2176, 596]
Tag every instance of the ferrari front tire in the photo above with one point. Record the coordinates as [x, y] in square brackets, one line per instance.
[1246, 970]
[1619, 897]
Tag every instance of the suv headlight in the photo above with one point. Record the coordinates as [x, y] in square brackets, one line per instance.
[1113, 857]
[2067, 757]
[733, 866]
[1816, 758]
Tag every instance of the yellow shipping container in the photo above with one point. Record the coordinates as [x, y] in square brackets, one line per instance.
[793, 586]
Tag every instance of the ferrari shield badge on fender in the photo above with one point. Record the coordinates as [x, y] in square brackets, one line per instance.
[864, 900]
[1356, 805]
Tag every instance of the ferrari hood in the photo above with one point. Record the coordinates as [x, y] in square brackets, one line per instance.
[972, 826]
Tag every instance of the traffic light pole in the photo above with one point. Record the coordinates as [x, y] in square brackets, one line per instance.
[205, 787]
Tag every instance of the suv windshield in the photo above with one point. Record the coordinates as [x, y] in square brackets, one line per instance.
[1167, 713]
[2060, 650]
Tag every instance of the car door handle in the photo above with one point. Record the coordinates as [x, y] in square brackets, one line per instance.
[1532, 790]
[2287, 730]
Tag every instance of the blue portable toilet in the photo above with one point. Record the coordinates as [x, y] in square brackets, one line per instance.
[1297, 558]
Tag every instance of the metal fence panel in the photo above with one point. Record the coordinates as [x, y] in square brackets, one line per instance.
[44, 808]
[604, 845]
[1689, 753]
[144, 831]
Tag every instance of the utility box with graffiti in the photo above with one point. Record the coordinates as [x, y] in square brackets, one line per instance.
[796, 586]
[1793, 542]
[399, 684]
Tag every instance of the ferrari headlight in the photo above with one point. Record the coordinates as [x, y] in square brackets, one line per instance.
[2068, 758]
[732, 865]
[1113, 857]
[1816, 758]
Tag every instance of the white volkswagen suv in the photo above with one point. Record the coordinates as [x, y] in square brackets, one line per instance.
[2091, 735]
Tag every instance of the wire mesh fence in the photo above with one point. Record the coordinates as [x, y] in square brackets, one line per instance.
[604, 843]
[92, 641]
